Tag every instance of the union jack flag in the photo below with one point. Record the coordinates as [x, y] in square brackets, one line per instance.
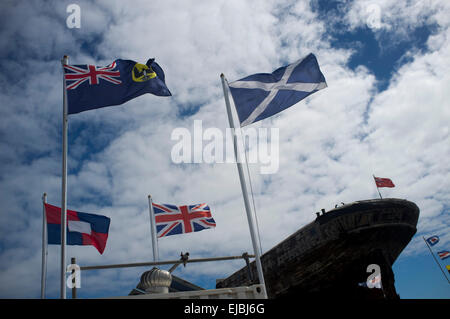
[174, 220]
[82, 73]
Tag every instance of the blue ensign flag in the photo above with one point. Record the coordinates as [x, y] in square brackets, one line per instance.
[262, 95]
[92, 87]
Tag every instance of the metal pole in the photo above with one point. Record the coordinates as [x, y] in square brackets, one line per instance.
[44, 246]
[249, 270]
[377, 186]
[153, 229]
[157, 263]
[74, 286]
[64, 61]
[431, 252]
[244, 189]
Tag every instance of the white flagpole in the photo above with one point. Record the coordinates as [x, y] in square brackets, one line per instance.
[44, 246]
[153, 229]
[64, 61]
[244, 190]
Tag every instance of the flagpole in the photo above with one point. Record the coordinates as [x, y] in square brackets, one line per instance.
[44, 246]
[64, 61]
[244, 190]
[431, 252]
[153, 229]
[377, 186]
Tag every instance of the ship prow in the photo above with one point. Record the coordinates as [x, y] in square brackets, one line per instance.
[329, 257]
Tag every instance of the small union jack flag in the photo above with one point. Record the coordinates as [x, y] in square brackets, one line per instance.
[173, 220]
[77, 74]
[444, 254]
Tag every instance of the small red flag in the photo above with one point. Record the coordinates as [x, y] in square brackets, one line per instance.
[383, 182]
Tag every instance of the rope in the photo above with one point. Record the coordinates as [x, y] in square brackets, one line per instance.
[253, 198]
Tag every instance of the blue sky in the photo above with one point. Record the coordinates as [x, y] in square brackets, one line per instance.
[385, 112]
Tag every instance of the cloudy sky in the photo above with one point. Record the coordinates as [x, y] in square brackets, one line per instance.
[386, 111]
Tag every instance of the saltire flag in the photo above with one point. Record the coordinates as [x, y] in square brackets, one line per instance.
[383, 182]
[91, 87]
[262, 95]
[444, 254]
[82, 228]
[174, 220]
[433, 240]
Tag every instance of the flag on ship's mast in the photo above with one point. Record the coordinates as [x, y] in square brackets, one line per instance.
[431, 241]
[382, 182]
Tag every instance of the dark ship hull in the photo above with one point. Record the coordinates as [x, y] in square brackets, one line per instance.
[329, 257]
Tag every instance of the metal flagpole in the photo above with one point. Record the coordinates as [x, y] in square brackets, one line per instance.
[431, 252]
[153, 229]
[377, 186]
[64, 61]
[244, 189]
[44, 246]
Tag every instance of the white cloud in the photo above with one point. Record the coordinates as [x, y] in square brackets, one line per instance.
[395, 16]
[330, 144]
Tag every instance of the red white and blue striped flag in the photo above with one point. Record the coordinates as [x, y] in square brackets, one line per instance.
[444, 254]
[174, 220]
